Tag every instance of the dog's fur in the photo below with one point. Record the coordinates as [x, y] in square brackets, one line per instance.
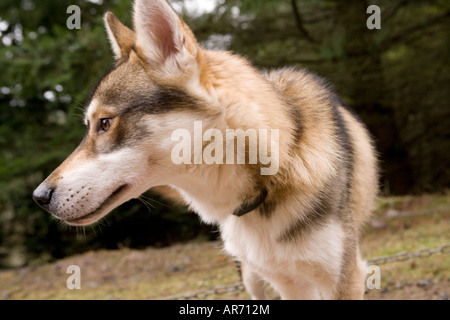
[297, 229]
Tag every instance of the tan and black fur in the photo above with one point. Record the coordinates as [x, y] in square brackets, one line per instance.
[298, 229]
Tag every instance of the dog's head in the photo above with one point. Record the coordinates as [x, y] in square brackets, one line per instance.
[158, 73]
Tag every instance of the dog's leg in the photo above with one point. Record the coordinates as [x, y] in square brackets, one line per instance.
[296, 289]
[352, 283]
[253, 282]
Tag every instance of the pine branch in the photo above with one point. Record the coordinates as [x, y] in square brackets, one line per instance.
[299, 21]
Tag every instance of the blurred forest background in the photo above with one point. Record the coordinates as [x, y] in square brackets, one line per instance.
[396, 78]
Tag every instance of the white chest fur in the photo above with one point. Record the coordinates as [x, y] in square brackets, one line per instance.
[256, 240]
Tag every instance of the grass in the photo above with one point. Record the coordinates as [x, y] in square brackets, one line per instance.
[400, 224]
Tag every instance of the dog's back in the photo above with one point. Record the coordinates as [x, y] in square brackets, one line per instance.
[316, 109]
[323, 194]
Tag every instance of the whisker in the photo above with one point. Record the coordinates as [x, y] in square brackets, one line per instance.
[150, 199]
[76, 101]
[92, 227]
[79, 108]
[145, 199]
[146, 204]
[103, 222]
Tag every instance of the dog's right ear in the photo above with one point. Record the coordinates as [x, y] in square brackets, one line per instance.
[122, 39]
[165, 43]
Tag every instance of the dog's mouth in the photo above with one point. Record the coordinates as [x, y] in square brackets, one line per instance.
[98, 212]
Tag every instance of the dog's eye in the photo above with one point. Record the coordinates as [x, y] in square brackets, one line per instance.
[105, 124]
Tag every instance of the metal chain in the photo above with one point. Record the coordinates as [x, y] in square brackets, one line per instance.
[402, 214]
[425, 283]
[239, 286]
[404, 256]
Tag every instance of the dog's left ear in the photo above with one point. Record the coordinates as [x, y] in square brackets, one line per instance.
[164, 41]
[121, 38]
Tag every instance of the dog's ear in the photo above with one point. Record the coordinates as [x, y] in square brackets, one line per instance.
[121, 38]
[166, 43]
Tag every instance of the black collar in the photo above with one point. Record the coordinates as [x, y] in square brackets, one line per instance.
[250, 204]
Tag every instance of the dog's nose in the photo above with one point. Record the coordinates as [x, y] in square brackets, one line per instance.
[43, 195]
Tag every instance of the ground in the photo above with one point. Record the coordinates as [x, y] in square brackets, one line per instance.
[400, 224]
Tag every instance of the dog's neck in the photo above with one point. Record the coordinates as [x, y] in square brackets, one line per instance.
[215, 192]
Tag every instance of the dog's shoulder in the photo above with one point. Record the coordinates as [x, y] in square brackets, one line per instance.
[301, 84]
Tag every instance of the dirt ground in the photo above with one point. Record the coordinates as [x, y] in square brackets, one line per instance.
[401, 224]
